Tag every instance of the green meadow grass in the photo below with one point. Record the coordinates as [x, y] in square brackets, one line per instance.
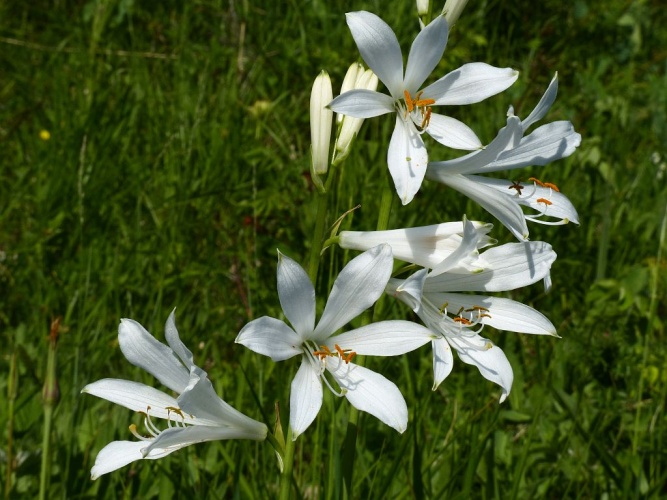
[177, 164]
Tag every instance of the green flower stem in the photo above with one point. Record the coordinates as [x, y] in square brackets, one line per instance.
[288, 462]
[352, 431]
[318, 233]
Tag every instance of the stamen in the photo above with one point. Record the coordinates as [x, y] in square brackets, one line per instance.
[427, 118]
[408, 101]
[323, 353]
[544, 200]
[345, 354]
[517, 185]
[537, 181]
[133, 430]
[552, 186]
[443, 309]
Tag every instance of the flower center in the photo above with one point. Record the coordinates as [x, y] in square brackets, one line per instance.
[539, 187]
[152, 428]
[344, 354]
[423, 106]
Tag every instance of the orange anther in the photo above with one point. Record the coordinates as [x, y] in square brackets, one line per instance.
[427, 118]
[536, 181]
[552, 186]
[323, 353]
[544, 200]
[408, 101]
[461, 319]
[516, 185]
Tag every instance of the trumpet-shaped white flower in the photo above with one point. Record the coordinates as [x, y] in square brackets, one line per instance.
[357, 287]
[435, 247]
[459, 318]
[407, 157]
[511, 150]
[195, 416]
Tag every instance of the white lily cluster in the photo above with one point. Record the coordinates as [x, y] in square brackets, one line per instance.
[460, 264]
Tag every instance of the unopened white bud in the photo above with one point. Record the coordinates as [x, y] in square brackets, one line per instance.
[422, 7]
[453, 9]
[321, 119]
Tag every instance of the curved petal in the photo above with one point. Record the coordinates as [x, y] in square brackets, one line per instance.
[143, 350]
[305, 398]
[489, 359]
[201, 401]
[379, 47]
[509, 266]
[357, 287]
[453, 133]
[544, 105]
[270, 337]
[297, 295]
[362, 103]
[174, 341]
[371, 392]
[385, 338]
[443, 361]
[175, 438]
[407, 159]
[408, 290]
[118, 454]
[508, 136]
[544, 145]
[545, 200]
[135, 396]
[469, 84]
[466, 253]
[499, 313]
[502, 206]
[425, 53]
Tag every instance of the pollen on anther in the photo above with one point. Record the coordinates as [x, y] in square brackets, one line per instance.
[544, 200]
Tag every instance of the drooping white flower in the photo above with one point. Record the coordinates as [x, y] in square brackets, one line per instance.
[357, 287]
[459, 318]
[433, 247]
[511, 150]
[407, 157]
[196, 415]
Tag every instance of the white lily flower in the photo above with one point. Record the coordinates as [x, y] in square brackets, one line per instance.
[407, 157]
[196, 415]
[433, 247]
[357, 288]
[459, 318]
[511, 150]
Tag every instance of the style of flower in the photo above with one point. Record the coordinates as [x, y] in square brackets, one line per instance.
[459, 318]
[511, 150]
[407, 157]
[196, 415]
[356, 288]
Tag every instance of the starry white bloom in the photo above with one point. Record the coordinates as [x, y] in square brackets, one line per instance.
[195, 416]
[407, 157]
[357, 287]
[459, 318]
[433, 247]
[510, 150]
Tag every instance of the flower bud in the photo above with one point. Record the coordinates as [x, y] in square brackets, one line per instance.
[321, 119]
[422, 7]
[453, 9]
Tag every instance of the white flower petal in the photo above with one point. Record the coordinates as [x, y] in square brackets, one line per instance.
[509, 266]
[408, 290]
[357, 287]
[544, 105]
[270, 337]
[118, 454]
[500, 313]
[546, 144]
[174, 341]
[470, 83]
[407, 159]
[305, 398]
[370, 392]
[453, 133]
[425, 53]
[175, 438]
[297, 295]
[557, 205]
[465, 253]
[135, 396]
[443, 361]
[508, 136]
[143, 350]
[488, 358]
[362, 103]
[379, 47]
[385, 338]
[201, 401]
[502, 206]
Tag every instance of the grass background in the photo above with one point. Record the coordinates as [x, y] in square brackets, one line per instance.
[178, 162]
